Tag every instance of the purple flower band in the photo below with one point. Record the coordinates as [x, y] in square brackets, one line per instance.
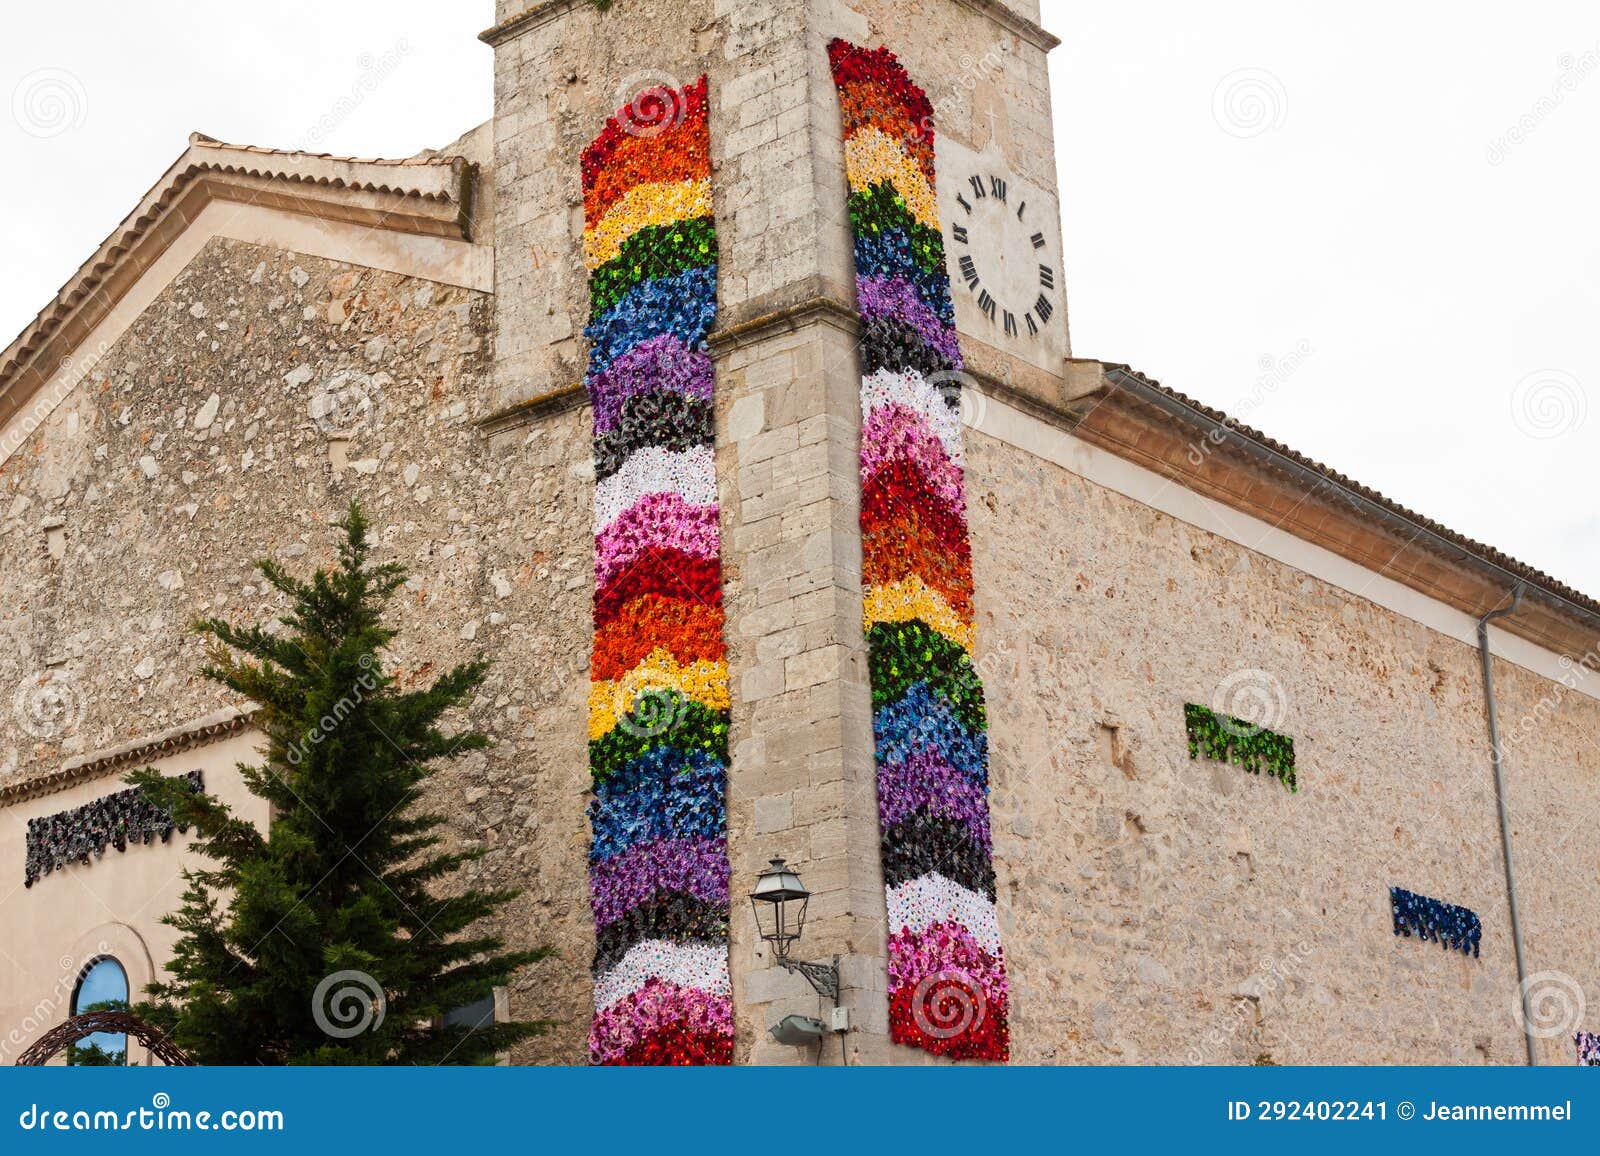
[896, 299]
[697, 867]
[662, 364]
[926, 783]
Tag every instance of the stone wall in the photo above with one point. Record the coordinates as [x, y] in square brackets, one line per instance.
[776, 149]
[1551, 763]
[801, 784]
[196, 446]
[255, 397]
[1156, 909]
[1163, 910]
[557, 81]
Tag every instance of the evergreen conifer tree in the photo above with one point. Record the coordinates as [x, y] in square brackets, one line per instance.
[323, 940]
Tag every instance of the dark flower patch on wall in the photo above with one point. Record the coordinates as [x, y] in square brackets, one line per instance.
[1458, 928]
[83, 833]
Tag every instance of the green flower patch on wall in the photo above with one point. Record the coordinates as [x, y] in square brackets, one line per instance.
[1233, 740]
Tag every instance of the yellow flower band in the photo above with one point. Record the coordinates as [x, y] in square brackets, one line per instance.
[912, 598]
[662, 203]
[656, 679]
[870, 158]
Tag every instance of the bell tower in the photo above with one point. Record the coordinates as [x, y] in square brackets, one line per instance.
[786, 350]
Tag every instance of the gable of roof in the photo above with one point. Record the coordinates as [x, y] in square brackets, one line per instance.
[428, 195]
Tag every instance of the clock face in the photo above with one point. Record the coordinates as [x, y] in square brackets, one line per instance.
[1001, 254]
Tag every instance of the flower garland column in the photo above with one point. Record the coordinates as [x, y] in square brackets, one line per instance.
[658, 698]
[947, 980]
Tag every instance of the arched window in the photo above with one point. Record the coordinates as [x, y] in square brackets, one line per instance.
[103, 986]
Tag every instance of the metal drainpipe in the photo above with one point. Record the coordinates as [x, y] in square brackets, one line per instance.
[1497, 753]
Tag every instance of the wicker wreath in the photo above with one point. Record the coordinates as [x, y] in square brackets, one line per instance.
[115, 1022]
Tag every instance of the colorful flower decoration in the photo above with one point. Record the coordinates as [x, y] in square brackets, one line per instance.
[1458, 928]
[84, 832]
[1588, 1049]
[1235, 740]
[658, 696]
[947, 979]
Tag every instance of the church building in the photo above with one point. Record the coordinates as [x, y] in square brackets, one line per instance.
[718, 391]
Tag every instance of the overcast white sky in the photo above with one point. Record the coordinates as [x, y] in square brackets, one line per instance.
[1316, 217]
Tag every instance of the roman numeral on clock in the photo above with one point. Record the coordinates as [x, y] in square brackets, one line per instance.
[1038, 240]
[1033, 329]
[1043, 307]
[986, 303]
[1047, 277]
[1020, 207]
[1010, 323]
[977, 187]
[998, 187]
[962, 201]
[969, 270]
[959, 232]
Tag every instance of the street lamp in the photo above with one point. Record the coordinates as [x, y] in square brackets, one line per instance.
[780, 900]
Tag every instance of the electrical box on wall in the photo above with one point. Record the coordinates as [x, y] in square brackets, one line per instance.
[839, 1019]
